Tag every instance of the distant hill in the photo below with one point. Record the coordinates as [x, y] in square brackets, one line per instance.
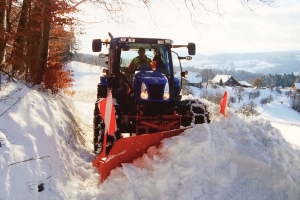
[265, 63]
[261, 63]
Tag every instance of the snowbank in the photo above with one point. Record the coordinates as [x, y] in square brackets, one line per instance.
[229, 159]
[39, 158]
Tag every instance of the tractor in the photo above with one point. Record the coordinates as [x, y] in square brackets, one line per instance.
[148, 104]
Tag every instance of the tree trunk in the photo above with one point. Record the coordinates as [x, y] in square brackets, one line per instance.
[34, 42]
[18, 52]
[2, 33]
[46, 34]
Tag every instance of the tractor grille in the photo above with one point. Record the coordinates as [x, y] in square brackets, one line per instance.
[156, 91]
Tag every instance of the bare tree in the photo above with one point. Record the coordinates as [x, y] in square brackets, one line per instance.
[278, 91]
[263, 101]
[231, 100]
[207, 74]
[270, 99]
[185, 88]
[288, 93]
[249, 109]
[239, 93]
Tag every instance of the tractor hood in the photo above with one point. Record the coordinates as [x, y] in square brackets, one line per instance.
[151, 77]
[154, 83]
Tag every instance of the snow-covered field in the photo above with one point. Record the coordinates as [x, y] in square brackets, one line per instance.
[249, 65]
[46, 145]
[278, 112]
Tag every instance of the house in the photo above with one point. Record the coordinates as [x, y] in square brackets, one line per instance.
[245, 84]
[296, 87]
[193, 78]
[227, 80]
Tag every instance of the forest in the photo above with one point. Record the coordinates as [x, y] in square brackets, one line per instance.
[35, 41]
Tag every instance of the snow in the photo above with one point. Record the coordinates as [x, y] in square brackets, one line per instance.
[245, 83]
[249, 65]
[41, 129]
[218, 77]
[193, 77]
[297, 85]
[228, 160]
[235, 158]
[278, 112]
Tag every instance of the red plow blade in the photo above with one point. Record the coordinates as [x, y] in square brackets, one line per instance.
[128, 149]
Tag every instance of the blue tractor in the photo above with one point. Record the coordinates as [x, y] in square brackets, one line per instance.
[149, 100]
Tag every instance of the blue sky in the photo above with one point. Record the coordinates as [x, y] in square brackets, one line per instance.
[236, 30]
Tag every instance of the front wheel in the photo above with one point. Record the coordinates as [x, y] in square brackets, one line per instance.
[193, 111]
[99, 131]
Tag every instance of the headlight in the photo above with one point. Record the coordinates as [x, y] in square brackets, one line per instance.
[144, 93]
[166, 92]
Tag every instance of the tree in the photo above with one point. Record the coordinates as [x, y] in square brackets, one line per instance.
[270, 98]
[249, 109]
[263, 101]
[278, 91]
[197, 8]
[29, 24]
[18, 51]
[231, 100]
[240, 93]
[2, 32]
[207, 74]
[257, 82]
[288, 93]
[257, 94]
[185, 88]
[250, 94]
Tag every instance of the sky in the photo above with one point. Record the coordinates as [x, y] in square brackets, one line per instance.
[235, 30]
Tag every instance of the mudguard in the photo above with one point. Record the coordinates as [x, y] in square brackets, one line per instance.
[128, 149]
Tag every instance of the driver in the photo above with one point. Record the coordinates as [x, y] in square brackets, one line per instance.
[138, 61]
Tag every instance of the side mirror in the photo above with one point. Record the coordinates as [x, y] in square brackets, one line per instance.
[191, 48]
[188, 58]
[184, 74]
[96, 45]
[102, 55]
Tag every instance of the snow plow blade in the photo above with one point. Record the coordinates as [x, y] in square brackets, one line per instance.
[128, 149]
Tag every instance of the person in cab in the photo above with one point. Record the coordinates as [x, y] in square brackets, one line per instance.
[140, 62]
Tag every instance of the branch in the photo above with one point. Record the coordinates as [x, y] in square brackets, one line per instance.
[33, 158]
[10, 107]
[10, 76]
[77, 3]
[90, 22]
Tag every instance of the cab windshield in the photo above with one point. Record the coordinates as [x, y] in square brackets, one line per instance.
[158, 55]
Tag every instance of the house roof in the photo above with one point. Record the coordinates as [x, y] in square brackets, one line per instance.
[245, 83]
[218, 77]
[297, 85]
